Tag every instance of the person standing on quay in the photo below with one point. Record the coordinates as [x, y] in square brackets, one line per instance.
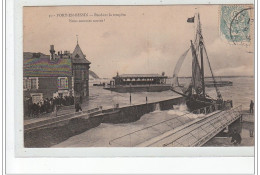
[236, 138]
[78, 107]
[251, 106]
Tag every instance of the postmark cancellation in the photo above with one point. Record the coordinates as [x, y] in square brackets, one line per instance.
[236, 24]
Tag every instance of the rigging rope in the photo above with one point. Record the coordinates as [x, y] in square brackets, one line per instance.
[214, 80]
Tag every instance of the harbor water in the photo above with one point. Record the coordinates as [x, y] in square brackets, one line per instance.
[242, 92]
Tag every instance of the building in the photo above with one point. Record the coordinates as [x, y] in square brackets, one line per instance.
[80, 71]
[139, 79]
[138, 83]
[55, 75]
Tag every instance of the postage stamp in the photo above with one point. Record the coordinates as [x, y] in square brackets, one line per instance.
[235, 24]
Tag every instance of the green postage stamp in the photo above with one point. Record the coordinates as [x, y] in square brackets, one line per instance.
[236, 24]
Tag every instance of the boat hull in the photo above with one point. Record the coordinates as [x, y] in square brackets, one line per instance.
[198, 103]
[142, 88]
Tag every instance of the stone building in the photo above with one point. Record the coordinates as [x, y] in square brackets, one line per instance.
[80, 71]
[61, 74]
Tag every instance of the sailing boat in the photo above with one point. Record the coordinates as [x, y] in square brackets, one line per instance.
[195, 94]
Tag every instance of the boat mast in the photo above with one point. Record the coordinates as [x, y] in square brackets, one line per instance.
[201, 56]
[201, 45]
[202, 69]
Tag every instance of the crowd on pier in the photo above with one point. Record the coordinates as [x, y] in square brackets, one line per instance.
[47, 105]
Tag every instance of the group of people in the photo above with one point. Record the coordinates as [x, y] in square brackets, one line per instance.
[48, 105]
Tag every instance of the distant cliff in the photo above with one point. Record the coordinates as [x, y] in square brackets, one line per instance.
[93, 74]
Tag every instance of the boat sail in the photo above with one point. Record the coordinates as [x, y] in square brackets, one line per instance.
[195, 94]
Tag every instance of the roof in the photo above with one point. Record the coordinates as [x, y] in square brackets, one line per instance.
[41, 66]
[78, 56]
[80, 61]
[141, 76]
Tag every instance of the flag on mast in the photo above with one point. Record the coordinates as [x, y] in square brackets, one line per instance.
[191, 20]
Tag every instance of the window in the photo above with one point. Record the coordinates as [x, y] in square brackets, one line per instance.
[30, 83]
[82, 75]
[63, 83]
[27, 84]
[33, 84]
[77, 74]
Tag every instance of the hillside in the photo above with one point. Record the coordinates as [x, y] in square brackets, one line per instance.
[93, 74]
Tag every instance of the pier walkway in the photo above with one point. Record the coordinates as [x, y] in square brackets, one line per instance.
[194, 133]
[101, 99]
[46, 121]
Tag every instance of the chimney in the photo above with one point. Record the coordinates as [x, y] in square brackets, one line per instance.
[52, 51]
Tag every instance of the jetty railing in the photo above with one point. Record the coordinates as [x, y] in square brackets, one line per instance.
[71, 111]
[204, 131]
[60, 118]
[139, 136]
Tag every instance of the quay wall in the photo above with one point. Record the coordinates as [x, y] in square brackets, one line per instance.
[133, 113]
[54, 133]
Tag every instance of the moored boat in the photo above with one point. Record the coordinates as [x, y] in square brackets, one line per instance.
[196, 97]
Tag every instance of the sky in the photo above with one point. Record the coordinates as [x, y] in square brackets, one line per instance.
[138, 39]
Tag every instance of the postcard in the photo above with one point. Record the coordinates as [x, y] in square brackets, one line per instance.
[158, 76]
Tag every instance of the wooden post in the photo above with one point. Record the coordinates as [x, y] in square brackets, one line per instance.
[251, 132]
[130, 93]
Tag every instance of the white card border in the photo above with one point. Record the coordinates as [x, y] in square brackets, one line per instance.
[14, 95]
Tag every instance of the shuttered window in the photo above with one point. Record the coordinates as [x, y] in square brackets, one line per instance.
[30, 83]
[63, 83]
[33, 84]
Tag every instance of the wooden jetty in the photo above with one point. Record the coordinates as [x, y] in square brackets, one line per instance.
[194, 133]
